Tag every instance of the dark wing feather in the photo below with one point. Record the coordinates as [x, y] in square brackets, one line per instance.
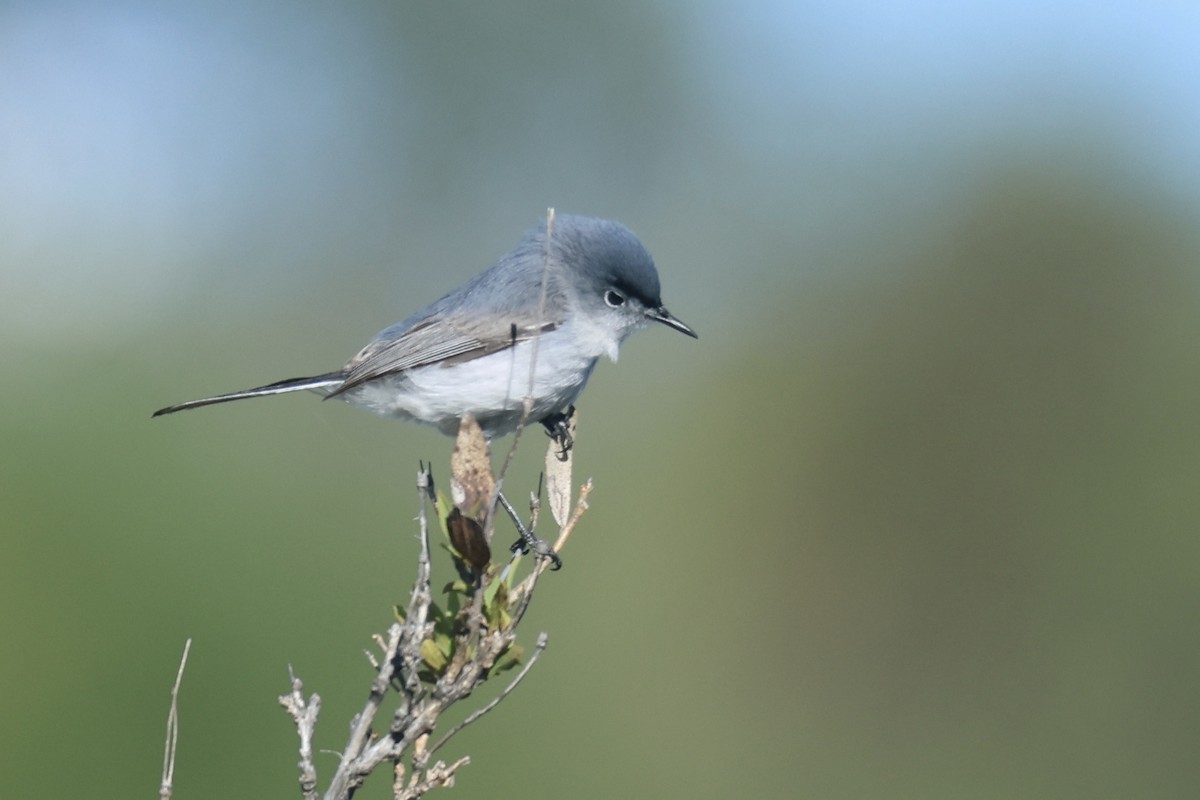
[435, 340]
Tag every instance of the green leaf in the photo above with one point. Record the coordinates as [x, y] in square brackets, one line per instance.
[494, 586]
[497, 610]
[457, 587]
[442, 506]
[512, 659]
[432, 655]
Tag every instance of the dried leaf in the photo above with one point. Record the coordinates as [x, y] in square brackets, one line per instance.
[558, 476]
[467, 537]
[471, 481]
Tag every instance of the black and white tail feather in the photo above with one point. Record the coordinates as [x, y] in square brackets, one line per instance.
[323, 384]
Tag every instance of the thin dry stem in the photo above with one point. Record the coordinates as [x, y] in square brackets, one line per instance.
[542, 640]
[167, 786]
[528, 402]
[523, 592]
[440, 774]
[304, 713]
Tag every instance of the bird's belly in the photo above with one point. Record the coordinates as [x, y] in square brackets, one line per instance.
[493, 388]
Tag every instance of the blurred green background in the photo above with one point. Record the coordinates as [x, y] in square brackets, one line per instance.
[915, 517]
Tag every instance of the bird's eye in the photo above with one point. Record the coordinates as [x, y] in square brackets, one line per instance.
[614, 298]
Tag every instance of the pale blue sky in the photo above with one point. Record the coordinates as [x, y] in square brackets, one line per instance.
[135, 140]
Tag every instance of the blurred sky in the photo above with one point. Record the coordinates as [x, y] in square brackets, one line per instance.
[915, 517]
[143, 146]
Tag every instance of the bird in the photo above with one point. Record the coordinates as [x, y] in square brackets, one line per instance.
[527, 331]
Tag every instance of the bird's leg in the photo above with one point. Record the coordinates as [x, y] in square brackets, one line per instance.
[558, 428]
[528, 540]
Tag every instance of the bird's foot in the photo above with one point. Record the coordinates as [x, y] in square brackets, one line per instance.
[540, 548]
[529, 541]
[558, 428]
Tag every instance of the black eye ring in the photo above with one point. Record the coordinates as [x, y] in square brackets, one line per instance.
[614, 298]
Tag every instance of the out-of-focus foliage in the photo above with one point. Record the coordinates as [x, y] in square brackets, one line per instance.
[915, 517]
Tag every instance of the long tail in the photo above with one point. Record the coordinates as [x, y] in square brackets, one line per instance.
[326, 381]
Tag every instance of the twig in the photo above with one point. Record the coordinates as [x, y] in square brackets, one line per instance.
[580, 507]
[423, 564]
[542, 640]
[403, 649]
[438, 775]
[167, 786]
[360, 731]
[304, 714]
[527, 406]
[522, 594]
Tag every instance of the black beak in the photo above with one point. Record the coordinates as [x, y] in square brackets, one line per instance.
[661, 314]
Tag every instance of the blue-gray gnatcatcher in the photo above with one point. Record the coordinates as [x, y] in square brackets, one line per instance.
[531, 325]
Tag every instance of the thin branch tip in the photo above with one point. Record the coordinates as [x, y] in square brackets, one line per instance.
[167, 785]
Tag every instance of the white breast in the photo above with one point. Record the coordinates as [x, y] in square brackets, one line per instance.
[493, 387]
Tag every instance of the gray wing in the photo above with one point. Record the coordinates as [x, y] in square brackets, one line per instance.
[507, 307]
[435, 340]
